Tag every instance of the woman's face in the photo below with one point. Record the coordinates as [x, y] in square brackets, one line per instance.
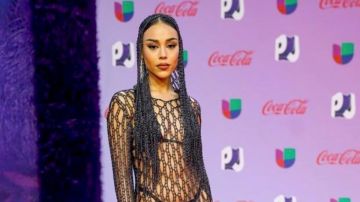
[160, 50]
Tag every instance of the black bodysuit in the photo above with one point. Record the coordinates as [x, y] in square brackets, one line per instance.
[176, 182]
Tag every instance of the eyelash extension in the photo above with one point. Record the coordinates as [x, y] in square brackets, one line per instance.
[152, 47]
[172, 45]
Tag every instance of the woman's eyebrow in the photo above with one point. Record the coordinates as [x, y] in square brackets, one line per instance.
[171, 39]
[157, 41]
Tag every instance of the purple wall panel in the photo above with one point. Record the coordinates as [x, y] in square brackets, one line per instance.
[314, 78]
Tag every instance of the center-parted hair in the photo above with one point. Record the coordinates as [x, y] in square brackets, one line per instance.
[147, 132]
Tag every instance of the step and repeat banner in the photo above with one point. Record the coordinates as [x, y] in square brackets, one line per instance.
[278, 82]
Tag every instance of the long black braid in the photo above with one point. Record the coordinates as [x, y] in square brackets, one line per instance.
[147, 130]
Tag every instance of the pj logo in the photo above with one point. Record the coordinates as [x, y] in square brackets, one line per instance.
[287, 48]
[343, 106]
[232, 159]
[282, 198]
[123, 54]
[232, 9]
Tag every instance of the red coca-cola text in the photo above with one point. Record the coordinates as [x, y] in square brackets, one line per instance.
[239, 58]
[350, 156]
[293, 107]
[184, 8]
[324, 4]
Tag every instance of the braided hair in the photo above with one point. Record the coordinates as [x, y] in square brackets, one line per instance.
[147, 132]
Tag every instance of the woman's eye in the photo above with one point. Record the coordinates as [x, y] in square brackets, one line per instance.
[152, 47]
[172, 46]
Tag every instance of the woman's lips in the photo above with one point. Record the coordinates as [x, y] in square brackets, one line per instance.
[163, 66]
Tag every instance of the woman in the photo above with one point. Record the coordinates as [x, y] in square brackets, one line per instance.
[154, 128]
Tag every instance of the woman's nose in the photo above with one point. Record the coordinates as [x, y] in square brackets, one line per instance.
[163, 53]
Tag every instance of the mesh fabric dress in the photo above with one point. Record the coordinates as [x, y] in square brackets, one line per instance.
[176, 182]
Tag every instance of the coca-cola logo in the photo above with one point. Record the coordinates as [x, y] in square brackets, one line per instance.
[347, 157]
[325, 4]
[238, 58]
[293, 107]
[182, 9]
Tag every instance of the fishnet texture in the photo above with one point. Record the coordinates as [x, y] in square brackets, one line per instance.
[175, 182]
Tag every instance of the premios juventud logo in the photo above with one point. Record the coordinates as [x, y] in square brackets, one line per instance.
[287, 48]
[287, 7]
[232, 108]
[285, 158]
[232, 159]
[343, 53]
[124, 11]
[283, 198]
[232, 9]
[343, 105]
[123, 54]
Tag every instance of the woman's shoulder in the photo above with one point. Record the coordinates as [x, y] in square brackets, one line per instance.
[124, 93]
[194, 103]
[124, 97]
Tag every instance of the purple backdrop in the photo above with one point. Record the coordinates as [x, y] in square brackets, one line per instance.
[284, 104]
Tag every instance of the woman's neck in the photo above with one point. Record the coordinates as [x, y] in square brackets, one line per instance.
[161, 88]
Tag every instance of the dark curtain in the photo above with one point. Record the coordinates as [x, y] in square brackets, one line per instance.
[18, 134]
[66, 98]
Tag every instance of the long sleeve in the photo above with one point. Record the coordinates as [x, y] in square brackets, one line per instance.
[118, 121]
[205, 194]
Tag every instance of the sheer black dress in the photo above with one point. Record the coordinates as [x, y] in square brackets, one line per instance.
[176, 182]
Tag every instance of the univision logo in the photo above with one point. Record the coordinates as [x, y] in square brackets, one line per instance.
[343, 53]
[286, 6]
[231, 109]
[342, 199]
[125, 11]
[286, 158]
